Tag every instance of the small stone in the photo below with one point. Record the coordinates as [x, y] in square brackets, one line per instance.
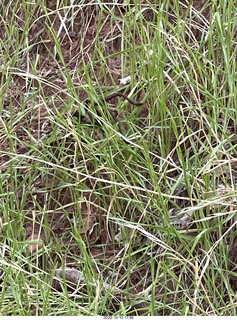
[125, 80]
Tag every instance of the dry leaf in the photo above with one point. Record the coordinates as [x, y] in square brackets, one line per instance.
[35, 246]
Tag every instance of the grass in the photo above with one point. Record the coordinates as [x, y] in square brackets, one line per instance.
[144, 207]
